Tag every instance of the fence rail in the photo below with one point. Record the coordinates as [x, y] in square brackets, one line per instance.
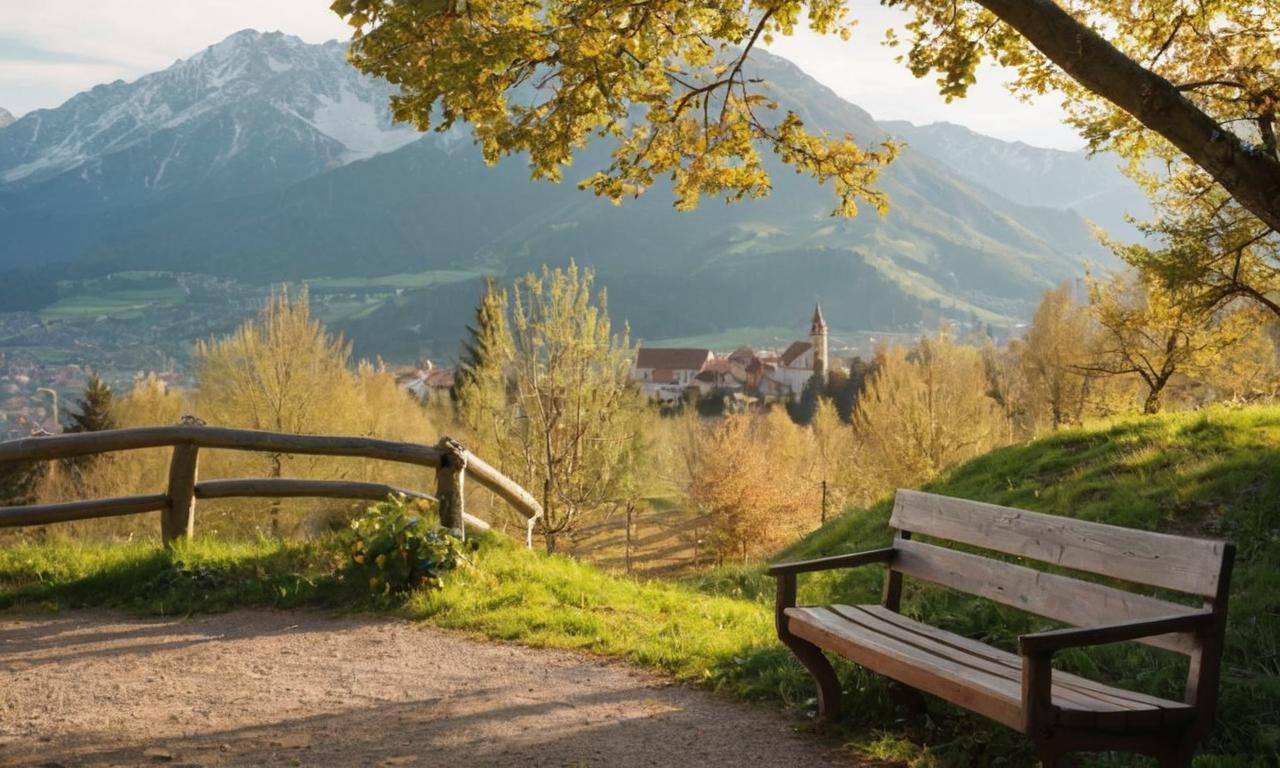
[452, 462]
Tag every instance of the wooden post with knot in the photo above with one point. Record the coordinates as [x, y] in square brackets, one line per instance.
[179, 519]
[449, 485]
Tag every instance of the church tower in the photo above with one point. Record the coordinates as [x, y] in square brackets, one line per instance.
[818, 337]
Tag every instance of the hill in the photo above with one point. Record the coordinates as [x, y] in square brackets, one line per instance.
[1214, 473]
[264, 159]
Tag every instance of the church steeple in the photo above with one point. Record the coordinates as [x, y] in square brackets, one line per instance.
[818, 337]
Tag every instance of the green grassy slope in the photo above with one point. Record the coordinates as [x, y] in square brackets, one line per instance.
[1215, 474]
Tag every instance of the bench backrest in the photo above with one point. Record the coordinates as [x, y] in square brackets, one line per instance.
[1191, 566]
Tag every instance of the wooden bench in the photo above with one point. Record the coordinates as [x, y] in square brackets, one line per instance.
[1060, 712]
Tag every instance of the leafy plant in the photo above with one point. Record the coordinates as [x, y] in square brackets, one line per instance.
[396, 551]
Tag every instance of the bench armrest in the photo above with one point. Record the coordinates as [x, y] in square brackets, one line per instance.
[831, 563]
[1042, 643]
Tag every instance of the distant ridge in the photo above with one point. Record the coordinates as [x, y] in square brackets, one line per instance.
[6, 118]
[1092, 186]
[263, 158]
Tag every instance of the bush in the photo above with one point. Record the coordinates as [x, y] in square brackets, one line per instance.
[397, 552]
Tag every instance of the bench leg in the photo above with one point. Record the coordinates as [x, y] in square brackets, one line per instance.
[824, 675]
[809, 654]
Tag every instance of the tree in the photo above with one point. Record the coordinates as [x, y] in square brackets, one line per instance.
[1213, 252]
[833, 454]
[483, 377]
[280, 372]
[1054, 354]
[1152, 334]
[923, 412]
[93, 409]
[1194, 83]
[752, 507]
[804, 407]
[1007, 386]
[575, 415]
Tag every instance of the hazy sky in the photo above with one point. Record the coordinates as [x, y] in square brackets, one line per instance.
[52, 49]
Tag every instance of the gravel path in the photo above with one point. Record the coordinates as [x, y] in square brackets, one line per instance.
[91, 688]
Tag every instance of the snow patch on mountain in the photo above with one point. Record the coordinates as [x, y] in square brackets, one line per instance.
[356, 124]
[6, 117]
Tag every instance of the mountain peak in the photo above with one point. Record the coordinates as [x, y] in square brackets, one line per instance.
[267, 98]
[245, 40]
[6, 118]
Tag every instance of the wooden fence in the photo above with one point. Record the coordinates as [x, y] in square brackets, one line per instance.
[452, 462]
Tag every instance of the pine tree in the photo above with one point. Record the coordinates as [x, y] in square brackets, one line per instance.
[488, 340]
[482, 378]
[94, 414]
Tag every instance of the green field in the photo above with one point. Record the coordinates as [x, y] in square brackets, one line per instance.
[733, 338]
[406, 281]
[124, 303]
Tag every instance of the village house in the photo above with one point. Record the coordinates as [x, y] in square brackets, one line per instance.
[426, 382]
[666, 373]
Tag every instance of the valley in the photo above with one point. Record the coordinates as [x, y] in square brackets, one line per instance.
[264, 160]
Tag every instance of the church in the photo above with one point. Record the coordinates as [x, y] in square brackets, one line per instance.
[800, 361]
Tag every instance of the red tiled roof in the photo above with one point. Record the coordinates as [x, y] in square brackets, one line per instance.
[441, 378]
[672, 358]
[663, 376]
[794, 351]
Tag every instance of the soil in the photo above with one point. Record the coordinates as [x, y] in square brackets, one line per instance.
[94, 688]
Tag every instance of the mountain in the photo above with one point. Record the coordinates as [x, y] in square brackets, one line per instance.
[6, 118]
[263, 158]
[1093, 186]
[254, 112]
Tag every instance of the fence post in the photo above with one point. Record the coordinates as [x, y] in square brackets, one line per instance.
[449, 485]
[180, 518]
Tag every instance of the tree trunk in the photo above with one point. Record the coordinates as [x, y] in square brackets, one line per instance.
[550, 538]
[1151, 405]
[1252, 178]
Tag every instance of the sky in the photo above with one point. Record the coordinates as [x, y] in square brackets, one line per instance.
[52, 49]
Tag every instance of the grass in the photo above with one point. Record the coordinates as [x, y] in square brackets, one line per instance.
[1214, 473]
[407, 281]
[124, 304]
[505, 593]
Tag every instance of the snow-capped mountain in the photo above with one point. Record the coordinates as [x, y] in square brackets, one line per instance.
[264, 158]
[6, 118]
[257, 110]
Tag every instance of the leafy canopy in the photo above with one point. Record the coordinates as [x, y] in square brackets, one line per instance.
[664, 79]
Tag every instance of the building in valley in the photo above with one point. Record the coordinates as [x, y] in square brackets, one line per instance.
[666, 373]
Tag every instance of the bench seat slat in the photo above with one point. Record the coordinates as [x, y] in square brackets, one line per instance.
[1178, 563]
[971, 674]
[1134, 701]
[1062, 598]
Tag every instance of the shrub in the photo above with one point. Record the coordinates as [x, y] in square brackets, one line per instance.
[396, 552]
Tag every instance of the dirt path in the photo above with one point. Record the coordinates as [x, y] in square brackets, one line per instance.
[307, 689]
